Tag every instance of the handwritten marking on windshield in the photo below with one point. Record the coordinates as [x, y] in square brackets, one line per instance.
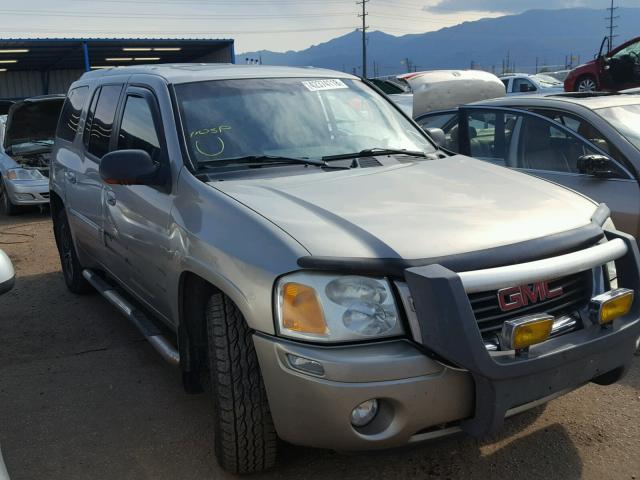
[210, 131]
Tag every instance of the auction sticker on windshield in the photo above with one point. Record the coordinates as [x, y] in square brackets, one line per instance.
[326, 84]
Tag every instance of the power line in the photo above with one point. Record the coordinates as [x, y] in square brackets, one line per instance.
[363, 15]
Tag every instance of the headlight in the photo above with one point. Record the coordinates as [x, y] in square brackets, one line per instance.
[330, 308]
[24, 174]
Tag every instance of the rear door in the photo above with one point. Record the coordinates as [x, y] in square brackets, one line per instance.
[137, 218]
[84, 185]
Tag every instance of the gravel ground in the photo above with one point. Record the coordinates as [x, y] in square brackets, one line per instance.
[82, 395]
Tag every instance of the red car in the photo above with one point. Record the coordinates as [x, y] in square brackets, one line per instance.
[617, 70]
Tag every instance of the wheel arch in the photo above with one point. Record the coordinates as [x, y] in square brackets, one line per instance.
[194, 291]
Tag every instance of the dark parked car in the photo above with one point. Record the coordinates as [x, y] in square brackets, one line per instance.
[587, 142]
[614, 71]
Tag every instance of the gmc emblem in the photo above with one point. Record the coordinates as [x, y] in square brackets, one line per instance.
[517, 297]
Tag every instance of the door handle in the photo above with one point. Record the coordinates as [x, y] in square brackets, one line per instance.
[71, 177]
[111, 197]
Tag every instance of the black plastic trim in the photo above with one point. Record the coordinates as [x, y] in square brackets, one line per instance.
[449, 329]
[529, 250]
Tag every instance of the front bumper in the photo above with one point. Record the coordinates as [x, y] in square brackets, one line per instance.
[421, 398]
[415, 394]
[27, 192]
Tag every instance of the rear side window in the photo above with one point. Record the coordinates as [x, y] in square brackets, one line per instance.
[102, 120]
[138, 130]
[70, 115]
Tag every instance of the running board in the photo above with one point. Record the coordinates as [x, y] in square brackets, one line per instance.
[153, 335]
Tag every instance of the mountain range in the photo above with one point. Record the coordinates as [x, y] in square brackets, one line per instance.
[549, 38]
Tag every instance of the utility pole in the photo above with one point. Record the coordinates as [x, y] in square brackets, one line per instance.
[363, 15]
[612, 27]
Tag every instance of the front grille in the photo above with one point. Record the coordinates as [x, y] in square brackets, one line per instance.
[576, 294]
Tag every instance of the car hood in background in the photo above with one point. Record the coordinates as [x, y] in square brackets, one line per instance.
[33, 119]
[415, 210]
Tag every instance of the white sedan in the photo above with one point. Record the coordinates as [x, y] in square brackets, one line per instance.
[524, 83]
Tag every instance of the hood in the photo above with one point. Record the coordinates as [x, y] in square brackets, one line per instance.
[416, 210]
[33, 119]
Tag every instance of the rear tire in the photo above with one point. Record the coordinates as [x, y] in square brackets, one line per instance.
[71, 268]
[245, 438]
[6, 207]
[586, 83]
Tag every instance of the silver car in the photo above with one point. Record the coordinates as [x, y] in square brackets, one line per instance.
[344, 284]
[7, 276]
[26, 139]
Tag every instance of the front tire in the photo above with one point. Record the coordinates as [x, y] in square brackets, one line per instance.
[586, 83]
[245, 438]
[71, 268]
[6, 206]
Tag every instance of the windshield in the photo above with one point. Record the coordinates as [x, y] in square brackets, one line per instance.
[626, 119]
[292, 117]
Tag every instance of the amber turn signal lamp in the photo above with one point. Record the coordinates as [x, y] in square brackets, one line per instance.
[301, 310]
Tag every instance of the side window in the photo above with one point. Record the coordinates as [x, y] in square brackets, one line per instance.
[448, 122]
[439, 120]
[543, 146]
[585, 130]
[89, 120]
[522, 85]
[138, 130]
[488, 134]
[102, 120]
[70, 115]
[506, 84]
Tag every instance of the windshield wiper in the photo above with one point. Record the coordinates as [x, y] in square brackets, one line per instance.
[259, 160]
[372, 152]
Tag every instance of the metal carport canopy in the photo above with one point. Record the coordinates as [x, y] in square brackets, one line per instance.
[45, 54]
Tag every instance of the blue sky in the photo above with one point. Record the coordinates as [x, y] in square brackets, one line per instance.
[277, 25]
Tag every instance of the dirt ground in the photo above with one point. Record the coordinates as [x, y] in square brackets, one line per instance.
[82, 396]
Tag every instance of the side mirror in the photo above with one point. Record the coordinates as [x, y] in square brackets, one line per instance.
[7, 273]
[595, 165]
[129, 167]
[438, 136]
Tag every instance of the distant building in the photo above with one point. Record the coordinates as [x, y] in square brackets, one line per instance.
[30, 67]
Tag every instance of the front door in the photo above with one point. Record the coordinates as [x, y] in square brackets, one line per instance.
[545, 148]
[136, 218]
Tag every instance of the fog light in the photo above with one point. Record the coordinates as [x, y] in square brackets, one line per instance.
[364, 413]
[521, 333]
[305, 365]
[605, 308]
[24, 196]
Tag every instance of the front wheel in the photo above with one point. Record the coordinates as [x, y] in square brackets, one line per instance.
[586, 84]
[6, 206]
[71, 268]
[245, 438]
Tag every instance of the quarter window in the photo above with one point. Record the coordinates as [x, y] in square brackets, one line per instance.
[102, 121]
[138, 130]
[522, 85]
[70, 115]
